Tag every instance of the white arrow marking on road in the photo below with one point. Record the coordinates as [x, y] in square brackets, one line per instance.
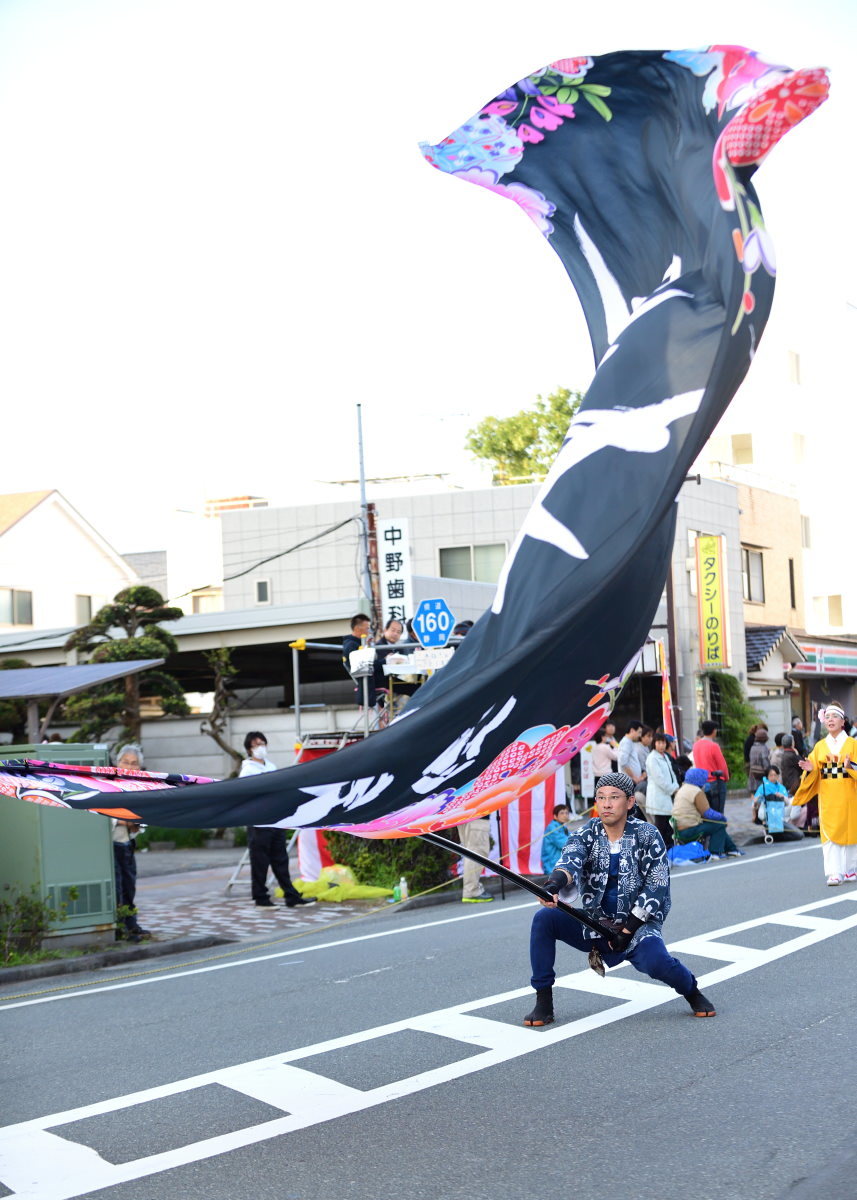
[37, 1163]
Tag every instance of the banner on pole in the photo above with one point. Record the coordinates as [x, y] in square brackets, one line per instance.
[712, 602]
[668, 725]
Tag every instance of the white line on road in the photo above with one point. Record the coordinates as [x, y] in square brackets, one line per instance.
[38, 1163]
[501, 910]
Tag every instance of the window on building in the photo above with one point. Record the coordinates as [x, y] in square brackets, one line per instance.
[805, 538]
[263, 591]
[480, 563]
[753, 575]
[794, 366]
[16, 607]
[792, 589]
[834, 610]
[798, 447]
[82, 610]
[207, 602]
[456, 562]
[742, 449]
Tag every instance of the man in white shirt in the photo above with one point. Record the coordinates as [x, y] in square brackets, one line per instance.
[267, 845]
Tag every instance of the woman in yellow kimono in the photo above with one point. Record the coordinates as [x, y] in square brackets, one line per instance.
[832, 777]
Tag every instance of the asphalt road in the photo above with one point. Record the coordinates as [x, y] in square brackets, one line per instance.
[386, 1059]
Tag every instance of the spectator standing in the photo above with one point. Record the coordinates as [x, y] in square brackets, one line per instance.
[266, 843]
[643, 748]
[798, 735]
[629, 762]
[790, 771]
[475, 835]
[661, 786]
[748, 744]
[777, 752]
[129, 758]
[604, 755]
[359, 638]
[709, 757]
[609, 728]
[760, 759]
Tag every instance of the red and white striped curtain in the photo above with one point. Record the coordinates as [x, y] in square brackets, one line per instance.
[523, 823]
[313, 853]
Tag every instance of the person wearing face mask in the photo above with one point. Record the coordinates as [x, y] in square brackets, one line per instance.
[831, 775]
[267, 845]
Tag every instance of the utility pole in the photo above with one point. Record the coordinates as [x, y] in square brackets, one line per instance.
[673, 658]
[364, 508]
[371, 587]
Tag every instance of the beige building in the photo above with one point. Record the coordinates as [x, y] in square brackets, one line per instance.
[771, 557]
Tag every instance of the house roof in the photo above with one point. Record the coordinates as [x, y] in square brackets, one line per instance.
[762, 640]
[17, 505]
[38, 683]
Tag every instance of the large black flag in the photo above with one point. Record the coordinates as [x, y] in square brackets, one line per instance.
[636, 167]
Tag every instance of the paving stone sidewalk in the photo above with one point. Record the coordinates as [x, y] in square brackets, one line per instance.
[193, 900]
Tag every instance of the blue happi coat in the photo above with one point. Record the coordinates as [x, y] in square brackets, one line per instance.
[644, 876]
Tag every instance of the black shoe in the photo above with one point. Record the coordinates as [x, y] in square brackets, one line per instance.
[299, 900]
[701, 1007]
[542, 1014]
[265, 903]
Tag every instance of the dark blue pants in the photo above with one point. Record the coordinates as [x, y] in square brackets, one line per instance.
[125, 873]
[716, 791]
[649, 955]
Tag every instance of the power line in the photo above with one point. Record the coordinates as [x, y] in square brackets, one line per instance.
[46, 637]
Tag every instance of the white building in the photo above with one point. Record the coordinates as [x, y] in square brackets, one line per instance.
[56, 570]
[788, 430]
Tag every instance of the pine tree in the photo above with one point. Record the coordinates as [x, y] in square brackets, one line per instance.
[125, 630]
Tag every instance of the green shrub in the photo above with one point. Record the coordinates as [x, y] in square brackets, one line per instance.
[184, 838]
[25, 918]
[734, 715]
[381, 863]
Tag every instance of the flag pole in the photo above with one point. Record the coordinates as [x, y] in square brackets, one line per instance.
[527, 884]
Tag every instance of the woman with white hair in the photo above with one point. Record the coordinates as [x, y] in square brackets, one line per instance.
[831, 775]
[128, 758]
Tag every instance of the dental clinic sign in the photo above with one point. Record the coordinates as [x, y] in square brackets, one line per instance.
[394, 570]
[712, 602]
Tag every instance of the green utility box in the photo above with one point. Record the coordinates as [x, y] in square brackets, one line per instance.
[57, 849]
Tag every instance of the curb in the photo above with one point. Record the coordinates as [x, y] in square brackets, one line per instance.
[109, 958]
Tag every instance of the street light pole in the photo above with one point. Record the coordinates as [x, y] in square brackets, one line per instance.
[364, 509]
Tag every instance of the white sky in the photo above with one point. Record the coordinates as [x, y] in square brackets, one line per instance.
[218, 235]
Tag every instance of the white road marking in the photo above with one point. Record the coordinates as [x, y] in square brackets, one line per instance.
[245, 962]
[696, 873]
[363, 974]
[37, 1163]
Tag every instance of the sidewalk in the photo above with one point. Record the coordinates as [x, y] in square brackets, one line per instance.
[183, 892]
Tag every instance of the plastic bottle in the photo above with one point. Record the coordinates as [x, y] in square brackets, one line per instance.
[403, 888]
[397, 894]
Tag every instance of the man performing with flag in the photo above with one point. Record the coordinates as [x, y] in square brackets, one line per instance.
[616, 868]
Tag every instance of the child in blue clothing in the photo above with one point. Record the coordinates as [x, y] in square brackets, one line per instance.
[769, 801]
[555, 837]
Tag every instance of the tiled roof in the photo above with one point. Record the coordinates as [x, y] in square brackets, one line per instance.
[761, 641]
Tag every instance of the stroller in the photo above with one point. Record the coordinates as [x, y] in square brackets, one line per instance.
[771, 814]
